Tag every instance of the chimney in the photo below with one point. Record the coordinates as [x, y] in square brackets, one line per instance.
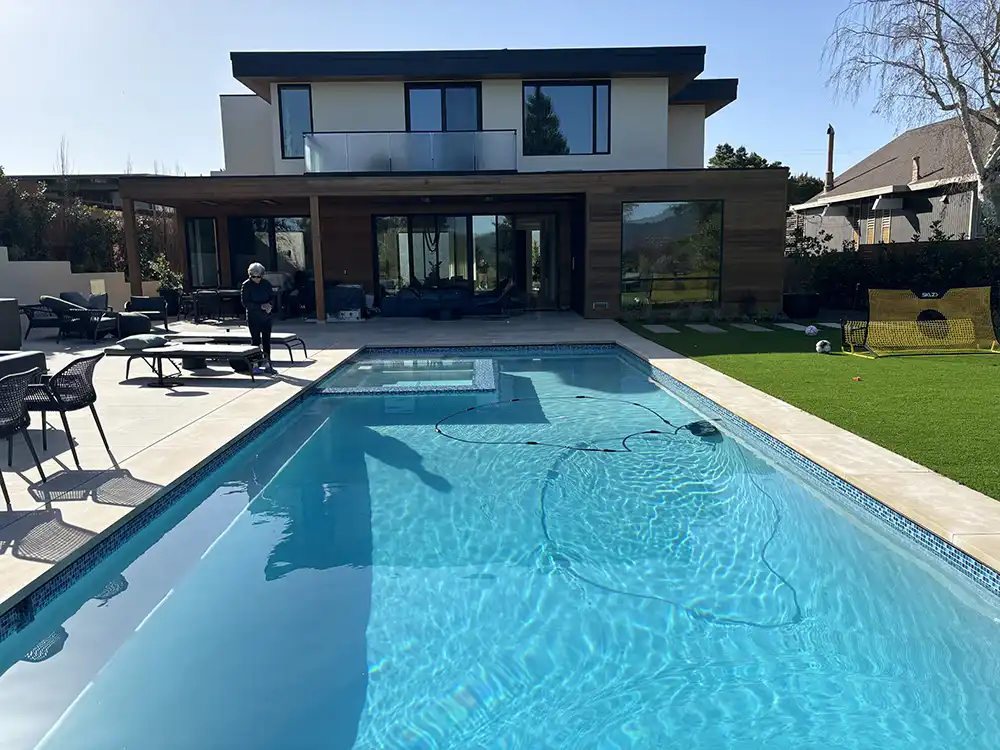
[829, 158]
[915, 175]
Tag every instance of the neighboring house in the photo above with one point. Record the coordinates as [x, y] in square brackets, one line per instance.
[896, 194]
[99, 190]
[480, 169]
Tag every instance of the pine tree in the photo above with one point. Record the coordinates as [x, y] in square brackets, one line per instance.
[542, 134]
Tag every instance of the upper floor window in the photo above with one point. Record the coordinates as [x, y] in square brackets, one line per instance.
[567, 118]
[435, 107]
[295, 116]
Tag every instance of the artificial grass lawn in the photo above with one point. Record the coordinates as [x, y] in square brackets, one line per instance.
[941, 411]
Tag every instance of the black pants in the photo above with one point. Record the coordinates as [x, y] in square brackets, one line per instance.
[260, 333]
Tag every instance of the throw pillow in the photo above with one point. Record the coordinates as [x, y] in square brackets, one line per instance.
[143, 341]
[76, 298]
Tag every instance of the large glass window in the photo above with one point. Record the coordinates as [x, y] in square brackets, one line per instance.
[203, 258]
[435, 108]
[671, 253]
[295, 115]
[567, 118]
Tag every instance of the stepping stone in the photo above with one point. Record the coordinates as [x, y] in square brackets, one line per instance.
[751, 327]
[705, 328]
[791, 326]
[829, 325]
[657, 328]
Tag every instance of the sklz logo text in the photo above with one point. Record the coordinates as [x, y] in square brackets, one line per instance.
[929, 295]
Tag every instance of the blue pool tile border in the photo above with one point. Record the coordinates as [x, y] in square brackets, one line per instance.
[23, 612]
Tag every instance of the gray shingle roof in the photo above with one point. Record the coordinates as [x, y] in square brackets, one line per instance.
[943, 155]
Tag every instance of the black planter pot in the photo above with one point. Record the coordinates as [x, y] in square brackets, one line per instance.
[801, 305]
[173, 298]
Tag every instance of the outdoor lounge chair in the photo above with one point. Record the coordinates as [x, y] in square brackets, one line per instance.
[287, 340]
[83, 322]
[193, 356]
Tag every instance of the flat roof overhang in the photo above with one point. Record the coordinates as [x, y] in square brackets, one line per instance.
[712, 93]
[218, 189]
[258, 70]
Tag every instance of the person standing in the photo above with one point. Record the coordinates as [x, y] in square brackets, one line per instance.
[257, 296]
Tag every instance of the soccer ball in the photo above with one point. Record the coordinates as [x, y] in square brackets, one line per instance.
[823, 347]
[811, 330]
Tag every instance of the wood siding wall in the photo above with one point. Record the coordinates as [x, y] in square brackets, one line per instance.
[753, 231]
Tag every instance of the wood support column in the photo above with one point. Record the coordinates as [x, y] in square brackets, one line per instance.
[222, 252]
[317, 253]
[179, 254]
[131, 247]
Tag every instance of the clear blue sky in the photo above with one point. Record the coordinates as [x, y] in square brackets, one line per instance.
[140, 79]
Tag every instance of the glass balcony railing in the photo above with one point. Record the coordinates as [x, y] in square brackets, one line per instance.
[474, 151]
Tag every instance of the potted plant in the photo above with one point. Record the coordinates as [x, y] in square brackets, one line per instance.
[171, 284]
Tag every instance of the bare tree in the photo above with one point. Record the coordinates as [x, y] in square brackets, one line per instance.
[925, 59]
[128, 164]
[64, 165]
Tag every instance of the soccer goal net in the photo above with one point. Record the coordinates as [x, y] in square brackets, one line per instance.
[904, 321]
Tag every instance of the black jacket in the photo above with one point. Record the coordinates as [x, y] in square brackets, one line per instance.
[254, 295]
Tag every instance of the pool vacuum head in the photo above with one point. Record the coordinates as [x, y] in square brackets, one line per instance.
[702, 428]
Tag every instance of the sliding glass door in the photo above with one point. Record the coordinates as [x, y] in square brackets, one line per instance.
[483, 253]
[282, 244]
[203, 256]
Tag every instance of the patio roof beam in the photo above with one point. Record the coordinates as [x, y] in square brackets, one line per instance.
[317, 254]
[131, 247]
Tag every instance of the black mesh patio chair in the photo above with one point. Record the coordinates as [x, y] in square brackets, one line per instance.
[81, 322]
[14, 418]
[70, 389]
[39, 316]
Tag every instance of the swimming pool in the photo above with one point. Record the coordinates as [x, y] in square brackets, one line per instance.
[568, 561]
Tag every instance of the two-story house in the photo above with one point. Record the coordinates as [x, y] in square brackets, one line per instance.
[575, 175]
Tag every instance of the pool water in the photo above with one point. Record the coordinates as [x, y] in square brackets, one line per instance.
[571, 563]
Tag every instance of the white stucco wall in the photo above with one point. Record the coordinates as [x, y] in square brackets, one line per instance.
[246, 134]
[642, 124]
[346, 107]
[639, 126]
[686, 147]
[27, 280]
[359, 107]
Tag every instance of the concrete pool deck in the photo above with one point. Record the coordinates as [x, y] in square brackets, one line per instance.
[159, 435]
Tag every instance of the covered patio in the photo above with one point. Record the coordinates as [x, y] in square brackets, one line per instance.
[335, 218]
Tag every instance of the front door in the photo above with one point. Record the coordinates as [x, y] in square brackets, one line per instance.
[537, 260]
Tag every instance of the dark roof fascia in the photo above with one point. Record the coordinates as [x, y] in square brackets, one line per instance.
[713, 93]
[257, 69]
